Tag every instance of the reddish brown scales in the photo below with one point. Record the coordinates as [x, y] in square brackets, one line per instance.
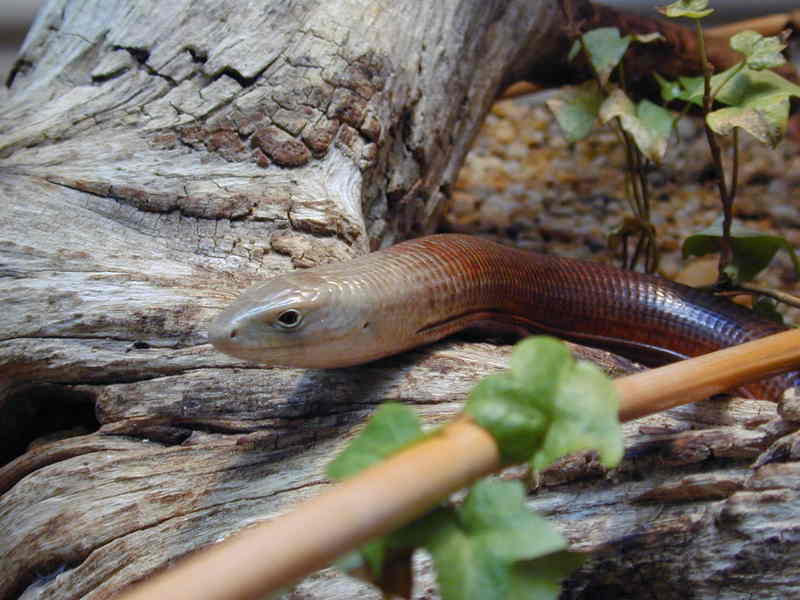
[645, 317]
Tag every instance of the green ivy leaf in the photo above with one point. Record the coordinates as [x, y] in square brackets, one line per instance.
[392, 427]
[575, 108]
[541, 578]
[758, 100]
[749, 84]
[752, 250]
[495, 515]
[656, 118]
[539, 365]
[760, 52]
[692, 89]
[692, 9]
[514, 405]
[584, 418]
[493, 547]
[516, 424]
[687, 89]
[649, 124]
[527, 408]
[764, 118]
[670, 90]
[759, 104]
[605, 48]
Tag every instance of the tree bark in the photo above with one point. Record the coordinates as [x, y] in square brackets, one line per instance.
[156, 159]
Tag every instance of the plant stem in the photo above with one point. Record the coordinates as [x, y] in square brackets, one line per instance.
[642, 165]
[641, 244]
[636, 192]
[635, 167]
[632, 194]
[730, 76]
[684, 111]
[757, 290]
[652, 258]
[725, 250]
[625, 251]
[735, 170]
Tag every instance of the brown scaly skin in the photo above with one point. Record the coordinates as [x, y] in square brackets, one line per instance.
[423, 290]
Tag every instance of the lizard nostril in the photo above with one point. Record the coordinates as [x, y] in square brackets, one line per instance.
[233, 333]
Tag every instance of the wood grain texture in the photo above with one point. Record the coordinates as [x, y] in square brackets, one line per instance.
[145, 184]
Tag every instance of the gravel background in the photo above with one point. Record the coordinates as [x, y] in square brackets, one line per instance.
[523, 184]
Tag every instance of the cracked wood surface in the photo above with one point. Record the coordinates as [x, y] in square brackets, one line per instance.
[158, 158]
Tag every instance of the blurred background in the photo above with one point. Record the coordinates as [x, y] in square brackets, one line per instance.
[16, 16]
[727, 10]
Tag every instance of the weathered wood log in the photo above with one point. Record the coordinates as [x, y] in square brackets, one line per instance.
[155, 159]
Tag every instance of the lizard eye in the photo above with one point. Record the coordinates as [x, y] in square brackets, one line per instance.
[289, 319]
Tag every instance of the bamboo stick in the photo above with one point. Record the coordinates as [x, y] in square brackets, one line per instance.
[686, 381]
[276, 553]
